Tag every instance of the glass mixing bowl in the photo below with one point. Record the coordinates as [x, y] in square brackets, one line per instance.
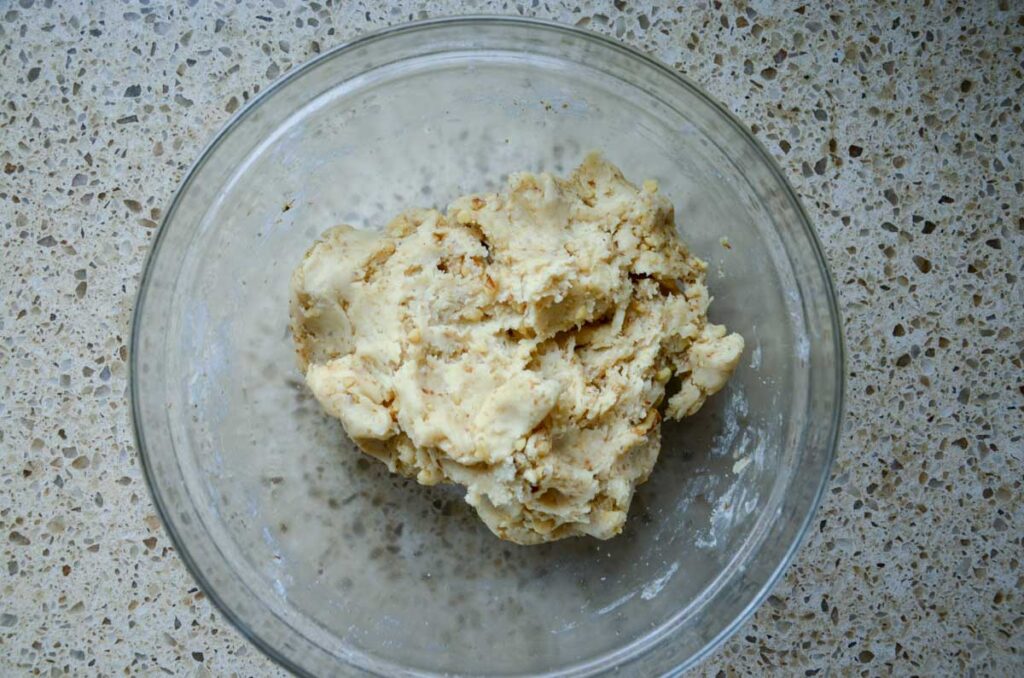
[331, 565]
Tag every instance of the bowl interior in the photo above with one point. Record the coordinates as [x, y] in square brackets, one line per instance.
[315, 550]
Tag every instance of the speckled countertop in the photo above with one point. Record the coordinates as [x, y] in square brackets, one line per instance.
[902, 131]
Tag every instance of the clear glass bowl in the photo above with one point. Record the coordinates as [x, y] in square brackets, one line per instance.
[331, 565]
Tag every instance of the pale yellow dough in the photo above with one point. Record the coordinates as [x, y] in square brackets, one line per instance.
[518, 344]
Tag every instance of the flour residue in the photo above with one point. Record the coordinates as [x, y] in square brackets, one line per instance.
[568, 627]
[733, 422]
[755, 357]
[654, 588]
[737, 502]
[617, 603]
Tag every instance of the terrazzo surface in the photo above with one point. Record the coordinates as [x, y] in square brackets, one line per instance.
[900, 128]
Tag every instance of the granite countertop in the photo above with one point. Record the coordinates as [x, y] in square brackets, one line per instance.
[900, 128]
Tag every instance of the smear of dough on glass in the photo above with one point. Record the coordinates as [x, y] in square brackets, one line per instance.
[518, 344]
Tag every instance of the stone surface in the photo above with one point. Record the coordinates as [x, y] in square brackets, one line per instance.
[900, 128]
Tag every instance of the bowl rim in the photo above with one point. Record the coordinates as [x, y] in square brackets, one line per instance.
[835, 425]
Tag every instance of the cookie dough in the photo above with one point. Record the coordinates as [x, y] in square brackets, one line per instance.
[518, 344]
